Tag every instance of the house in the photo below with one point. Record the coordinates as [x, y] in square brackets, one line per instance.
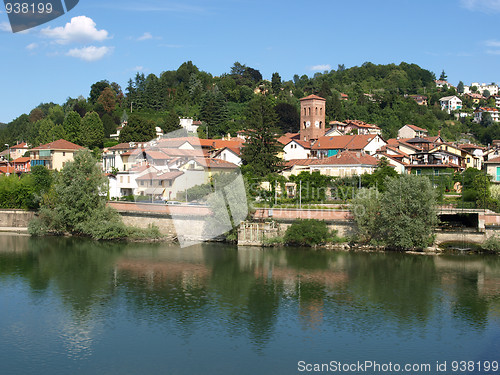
[7, 170]
[190, 125]
[497, 100]
[116, 157]
[478, 114]
[336, 128]
[230, 154]
[18, 151]
[412, 131]
[474, 97]
[442, 83]
[158, 184]
[492, 88]
[22, 164]
[493, 169]
[420, 99]
[450, 103]
[397, 162]
[296, 149]
[331, 146]
[54, 155]
[344, 164]
[360, 127]
[344, 96]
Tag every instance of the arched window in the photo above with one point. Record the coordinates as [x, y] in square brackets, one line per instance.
[321, 111]
[304, 124]
[320, 123]
[316, 113]
[309, 111]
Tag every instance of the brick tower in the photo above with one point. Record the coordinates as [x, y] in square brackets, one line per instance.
[312, 117]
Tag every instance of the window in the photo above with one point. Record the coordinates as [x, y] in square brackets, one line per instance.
[64, 154]
[418, 172]
[316, 113]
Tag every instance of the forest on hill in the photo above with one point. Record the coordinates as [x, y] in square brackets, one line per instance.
[377, 94]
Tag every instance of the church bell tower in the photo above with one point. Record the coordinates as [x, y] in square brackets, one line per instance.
[312, 117]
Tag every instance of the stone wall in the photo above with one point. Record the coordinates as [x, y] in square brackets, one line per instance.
[15, 218]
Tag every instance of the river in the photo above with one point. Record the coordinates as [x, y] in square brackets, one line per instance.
[75, 306]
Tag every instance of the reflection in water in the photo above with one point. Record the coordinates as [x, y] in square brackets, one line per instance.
[77, 301]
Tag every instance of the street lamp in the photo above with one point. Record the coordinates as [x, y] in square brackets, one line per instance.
[8, 157]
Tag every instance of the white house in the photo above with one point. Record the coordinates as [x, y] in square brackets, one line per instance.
[478, 114]
[412, 131]
[297, 149]
[450, 103]
[482, 87]
[230, 154]
[190, 125]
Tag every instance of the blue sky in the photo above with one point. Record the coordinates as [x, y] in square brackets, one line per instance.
[115, 39]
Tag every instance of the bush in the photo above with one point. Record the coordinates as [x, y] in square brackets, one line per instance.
[37, 228]
[309, 232]
[492, 244]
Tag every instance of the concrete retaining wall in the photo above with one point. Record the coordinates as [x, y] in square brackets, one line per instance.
[15, 218]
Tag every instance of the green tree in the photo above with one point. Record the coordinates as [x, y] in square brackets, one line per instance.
[378, 177]
[76, 204]
[45, 131]
[460, 87]
[443, 76]
[170, 123]
[288, 117]
[72, 126]
[107, 99]
[214, 113]
[276, 83]
[109, 124]
[408, 213]
[138, 129]
[481, 185]
[260, 154]
[96, 90]
[366, 211]
[92, 130]
[314, 186]
[307, 232]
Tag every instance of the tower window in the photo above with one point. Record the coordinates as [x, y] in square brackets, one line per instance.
[316, 113]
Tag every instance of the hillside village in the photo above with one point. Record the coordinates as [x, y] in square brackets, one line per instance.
[167, 166]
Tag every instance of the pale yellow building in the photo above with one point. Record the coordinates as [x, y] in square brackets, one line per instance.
[54, 155]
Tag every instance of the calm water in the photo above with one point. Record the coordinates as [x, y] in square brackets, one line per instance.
[78, 307]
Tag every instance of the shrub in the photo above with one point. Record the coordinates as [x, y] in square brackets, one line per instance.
[492, 244]
[37, 228]
[309, 232]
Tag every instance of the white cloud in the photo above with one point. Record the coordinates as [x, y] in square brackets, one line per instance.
[138, 68]
[493, 52]
[80, 29]
[5, 26]
[90, 54]
[481, 5]
[31, 46]
[492, 43]
[145, 36]
[321, 68]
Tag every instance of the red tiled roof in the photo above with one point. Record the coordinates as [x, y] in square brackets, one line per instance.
[416, 128]
[157, 155]
[287, 138]
[348, 142]
[486, 109]
[123, 146]
[163, 176]
[22, 160]
[60, 144]
[7, 169]
[494, 160]
[348, 158]
[20, 145]
[361, 124]
[313, 97]
[299, 162]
